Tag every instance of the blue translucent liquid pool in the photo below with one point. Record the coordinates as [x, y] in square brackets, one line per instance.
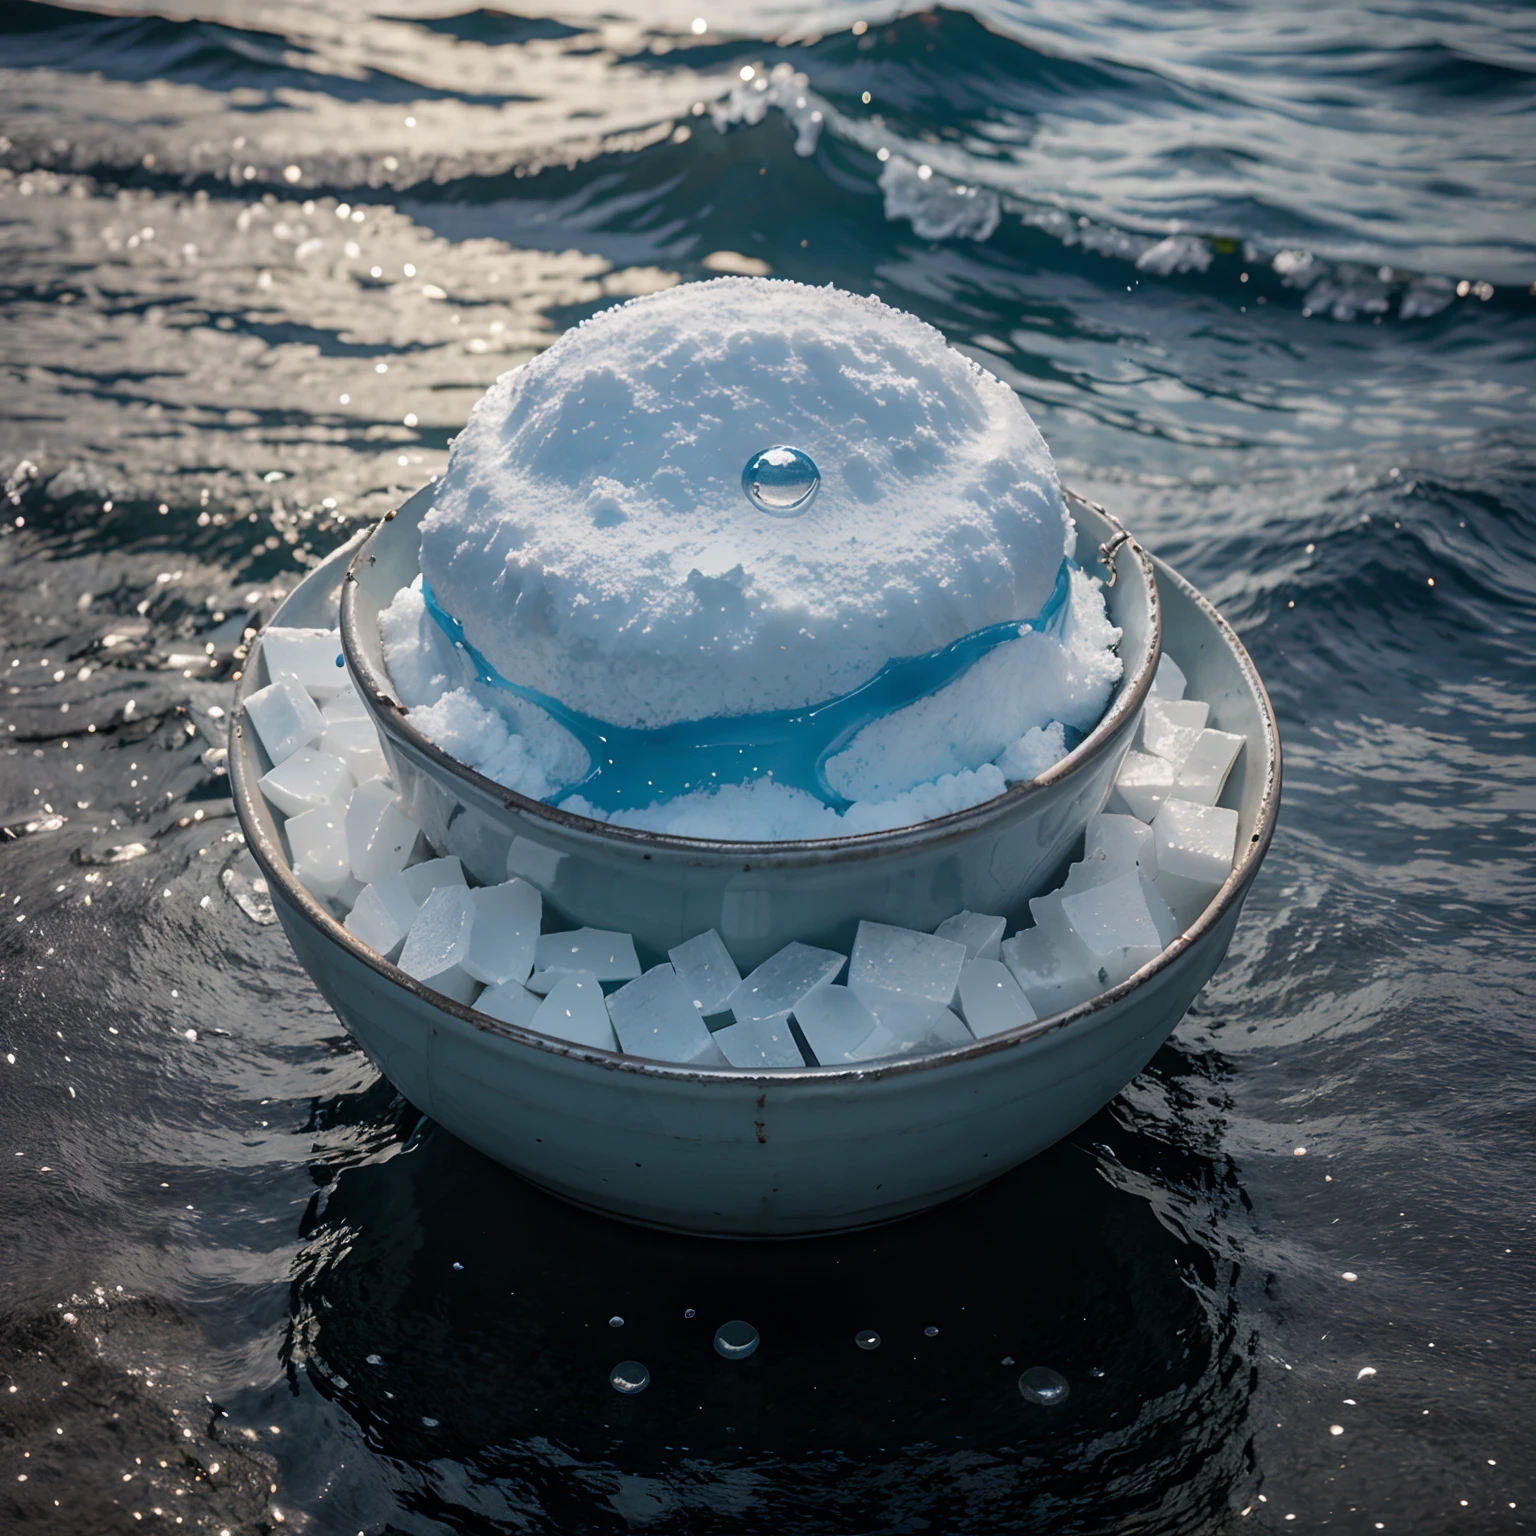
[638, 767]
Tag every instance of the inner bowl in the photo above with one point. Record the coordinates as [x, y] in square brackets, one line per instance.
[664, 889]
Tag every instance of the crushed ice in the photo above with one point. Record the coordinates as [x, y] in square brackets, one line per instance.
[1140, 881]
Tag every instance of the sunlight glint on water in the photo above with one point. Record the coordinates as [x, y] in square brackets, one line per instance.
[1264, 286]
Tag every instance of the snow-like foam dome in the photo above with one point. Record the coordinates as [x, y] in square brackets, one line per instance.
[592, 537]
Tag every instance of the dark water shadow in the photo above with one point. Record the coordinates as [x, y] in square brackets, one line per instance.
[462, 1319]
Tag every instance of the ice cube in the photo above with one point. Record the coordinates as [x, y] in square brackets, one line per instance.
[1195, 848]
[915, 967]
[947, 1031]
[1115, 928]
[1196, 842]
[1163, 918]
[833, 1022]
[654, 1016]
[305, 779]
[575, 1010]
[380, 835]
[1051, 919]
[608, 956]
[782, 981]
[754, 1044]
[318, 841]
[920, 1025]
[876, 1046]
[1171, 727]
[438, 942]
[383, 913]
[980, 933]
[346, 898]
[1168, 682]
[1112, 846]
[347, 705]
[506, 930]
[1205, 770]
[513, 1003]
[912, 1028]
[285, 718]
[707, 970]
[311, 657]
[1050, 979]
[424, 878]
[1142, 785]
[1125, 841]
[357, 744]
[991, 999]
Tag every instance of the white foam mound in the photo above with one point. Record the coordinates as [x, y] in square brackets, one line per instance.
[592, 537]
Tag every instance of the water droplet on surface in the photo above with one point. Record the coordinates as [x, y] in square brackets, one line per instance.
[867, 1338]
[629, 1377]
[781, 481]
[736, 1340]
[931, 1332]
[688, 1312]
[1040, 1384]
[615, 1322]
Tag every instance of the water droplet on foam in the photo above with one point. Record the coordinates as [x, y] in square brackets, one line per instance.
[1040, 1384]
[629, 1377]
[736, 1340]
[781, 481]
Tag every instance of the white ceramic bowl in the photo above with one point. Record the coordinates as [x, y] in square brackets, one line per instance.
[781, 1154]
[759, 896]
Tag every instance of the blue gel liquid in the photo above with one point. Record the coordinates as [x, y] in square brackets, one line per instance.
[634, 767]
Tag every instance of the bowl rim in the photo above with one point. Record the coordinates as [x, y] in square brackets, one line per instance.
[257, 824]
[389, 715]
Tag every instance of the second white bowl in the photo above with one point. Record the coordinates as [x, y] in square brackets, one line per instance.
[759, 896]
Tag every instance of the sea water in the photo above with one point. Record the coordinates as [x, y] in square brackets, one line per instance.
[1320, 435]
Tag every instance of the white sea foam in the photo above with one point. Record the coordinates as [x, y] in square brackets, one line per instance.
[1177, 253]
[936, 207]
[783, 87]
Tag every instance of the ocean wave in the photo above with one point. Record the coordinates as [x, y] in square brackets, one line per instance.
[944, 190]
[212, 55]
